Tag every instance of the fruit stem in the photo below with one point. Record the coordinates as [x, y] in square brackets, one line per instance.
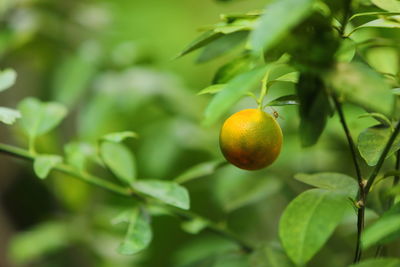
[264, 90]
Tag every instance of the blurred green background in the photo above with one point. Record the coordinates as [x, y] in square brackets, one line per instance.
[111, 63]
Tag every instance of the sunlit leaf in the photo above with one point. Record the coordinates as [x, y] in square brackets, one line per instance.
[139, 234]
[379, 23]
[233, 91]
[379, 117]
[389, 5]
[279, 17]
[166, 191]
[7, 79]
[309, 220]
[120, 160]
[8, 115]
[43, 164]
[372, 141]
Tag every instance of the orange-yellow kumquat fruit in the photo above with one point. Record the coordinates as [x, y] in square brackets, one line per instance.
[251, 139]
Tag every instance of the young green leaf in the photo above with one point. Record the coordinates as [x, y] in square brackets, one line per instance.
[291, 77]
[120, 160]
[388, 5]
[139, 234]
[39, 117]
[284, 101]
[230, 70]
[221, 46]
[278, 19]
[119, 136]
[346, 51]
[233, 91]
[8, 115]
[201, 41]
[212, 89]
[166, 191]
[44, 163]
[381, 262]
[199, 170]
[7, 79]
[358, 84]
[330, 181]
[309, 220]
[372, 141]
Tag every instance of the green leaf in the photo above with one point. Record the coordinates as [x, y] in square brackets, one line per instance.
[291, 77]
[233, 188]
[358, 84]
[309, 220]
[201, 41]
[383, 262]
[194, 226]
[212, 89]
[120, 160]
[166, 191]
[8, 115]
[71, 79]
[388, 5]
[29, 246]
[379, 117]
[221, 46]
[385, 229]
[233, 91]
[44, 163]
[383, 59]
[77, 154]
[119, 136]
[233, 69]
[346, 51]
[139, 234]
[389, 22]
[279, 18]
[284, 101]
[7, 79]
[270, 256]
[199, 170]
[314, 108]
[372, 141]
[40, 117]
[330, 181]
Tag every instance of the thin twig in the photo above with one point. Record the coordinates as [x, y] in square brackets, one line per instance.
[361, 184]
[128, 192]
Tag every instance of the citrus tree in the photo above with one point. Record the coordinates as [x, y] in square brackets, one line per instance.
[311, 66]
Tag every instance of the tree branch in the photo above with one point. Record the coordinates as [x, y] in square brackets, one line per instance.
[128, 192]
